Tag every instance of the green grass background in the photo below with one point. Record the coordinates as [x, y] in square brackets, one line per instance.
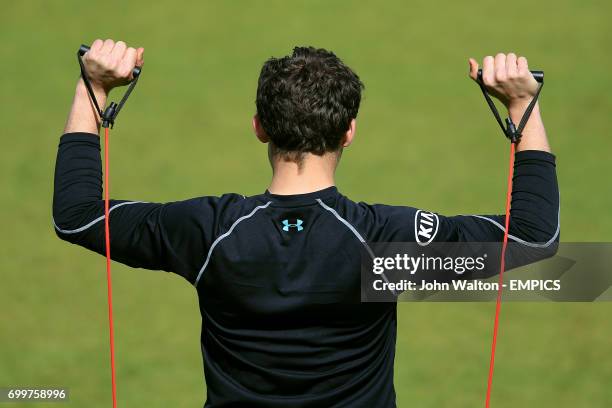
[425, 138]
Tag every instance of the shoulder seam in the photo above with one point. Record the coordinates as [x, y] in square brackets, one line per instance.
[225, 235]
[356, 233]
[347, 224]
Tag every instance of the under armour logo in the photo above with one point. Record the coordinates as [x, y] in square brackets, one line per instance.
[297, 225]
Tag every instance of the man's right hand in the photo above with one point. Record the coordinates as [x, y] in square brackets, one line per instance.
[109, 64]
[507, 77]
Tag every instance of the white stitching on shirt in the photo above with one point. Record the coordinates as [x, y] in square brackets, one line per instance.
[354, 231]
[517, 239]
[88, 225]
[225, 235]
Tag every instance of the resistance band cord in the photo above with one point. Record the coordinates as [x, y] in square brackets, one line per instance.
[109, 286]
[108, 117]
[514, 135]
[502, 268]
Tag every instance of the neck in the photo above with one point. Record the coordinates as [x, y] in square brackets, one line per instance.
[313, 173]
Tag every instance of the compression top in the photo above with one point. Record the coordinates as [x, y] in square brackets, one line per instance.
[278, 277]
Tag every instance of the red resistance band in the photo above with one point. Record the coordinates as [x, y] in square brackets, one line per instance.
[109, 285]
[514, 135]
[502, 268]
[107, 117]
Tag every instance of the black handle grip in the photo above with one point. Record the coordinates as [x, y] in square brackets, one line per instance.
[538, 75]
[84, 48]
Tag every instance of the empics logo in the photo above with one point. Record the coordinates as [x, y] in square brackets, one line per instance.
[425, 227]
[297, 225]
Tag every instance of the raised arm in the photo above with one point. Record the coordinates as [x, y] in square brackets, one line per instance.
[171, 236]
[534, 213]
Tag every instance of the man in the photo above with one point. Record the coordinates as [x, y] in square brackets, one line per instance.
[278, 274]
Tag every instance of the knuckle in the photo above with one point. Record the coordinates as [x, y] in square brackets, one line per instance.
[105, 62]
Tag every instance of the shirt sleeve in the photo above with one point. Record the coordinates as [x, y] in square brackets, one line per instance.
[171, 236]
[534, 213]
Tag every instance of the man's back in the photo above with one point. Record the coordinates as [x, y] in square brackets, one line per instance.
[282, 319]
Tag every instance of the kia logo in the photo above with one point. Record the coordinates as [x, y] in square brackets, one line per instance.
[425, 227]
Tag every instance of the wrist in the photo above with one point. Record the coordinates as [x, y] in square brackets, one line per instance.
[100, 93]
[83, 117]
[516, 110]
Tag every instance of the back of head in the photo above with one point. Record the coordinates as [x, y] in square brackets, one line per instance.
[306, 101]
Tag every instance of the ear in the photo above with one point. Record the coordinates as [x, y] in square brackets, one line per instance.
[350, 134]
[259, 131]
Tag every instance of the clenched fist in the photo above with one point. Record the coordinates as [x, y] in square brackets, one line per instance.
[507, 78]
[109, 64]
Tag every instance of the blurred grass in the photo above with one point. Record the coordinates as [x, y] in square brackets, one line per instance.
[425, 138]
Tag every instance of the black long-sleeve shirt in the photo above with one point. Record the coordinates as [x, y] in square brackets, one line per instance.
[277, 275]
